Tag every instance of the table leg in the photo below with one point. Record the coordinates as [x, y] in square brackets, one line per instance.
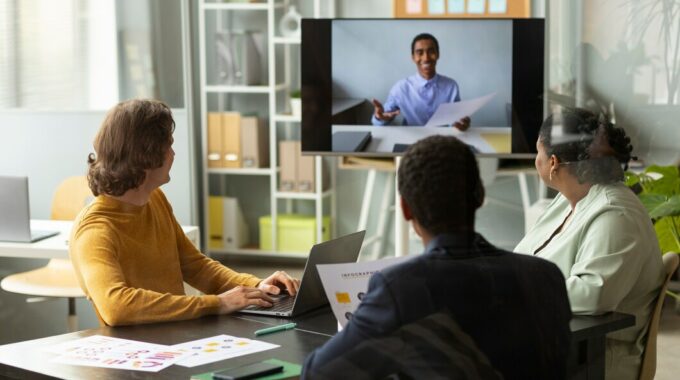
[587, 359]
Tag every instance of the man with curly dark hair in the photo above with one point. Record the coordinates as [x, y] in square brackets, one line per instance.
[130, 254]
[596, 230]
[513, 307]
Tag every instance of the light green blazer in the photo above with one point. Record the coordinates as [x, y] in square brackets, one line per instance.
[610, 256]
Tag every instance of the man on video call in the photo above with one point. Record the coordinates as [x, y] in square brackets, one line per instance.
[417, 97]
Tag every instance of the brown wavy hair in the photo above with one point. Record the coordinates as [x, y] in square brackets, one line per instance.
[133, 138]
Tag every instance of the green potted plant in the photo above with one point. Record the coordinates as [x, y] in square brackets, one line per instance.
[296, 103]
[659, 192]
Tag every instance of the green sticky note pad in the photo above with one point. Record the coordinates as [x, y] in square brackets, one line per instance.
[289, 370]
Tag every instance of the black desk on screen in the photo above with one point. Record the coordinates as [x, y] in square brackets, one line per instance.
[27, 360]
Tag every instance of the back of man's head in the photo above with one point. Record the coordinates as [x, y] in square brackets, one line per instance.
[439, 181]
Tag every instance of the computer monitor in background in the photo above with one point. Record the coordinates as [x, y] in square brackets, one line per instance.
[346, 63]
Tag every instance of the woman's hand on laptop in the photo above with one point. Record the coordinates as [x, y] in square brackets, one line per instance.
[241, 297]
[280, 280]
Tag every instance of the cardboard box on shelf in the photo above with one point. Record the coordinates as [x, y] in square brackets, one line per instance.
[214, 140]
[231, 139]
[254, 142]
[306, 174]
[288, 160]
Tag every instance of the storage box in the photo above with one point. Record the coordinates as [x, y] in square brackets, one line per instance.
[296, 233]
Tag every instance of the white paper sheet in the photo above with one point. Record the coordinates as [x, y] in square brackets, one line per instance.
[435, 7]
[345, 284]
[449, 113]
[456, 6]
[475, 140]
[476, 6]
[218, 348]
[108, 352]
[414, 6]
[498, 6]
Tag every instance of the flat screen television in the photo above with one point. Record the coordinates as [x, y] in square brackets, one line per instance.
[497, 66]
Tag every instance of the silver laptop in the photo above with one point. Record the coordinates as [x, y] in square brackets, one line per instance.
[15, 214]
[311, 294]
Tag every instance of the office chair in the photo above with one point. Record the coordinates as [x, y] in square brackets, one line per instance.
[57, 278]
[648, 367]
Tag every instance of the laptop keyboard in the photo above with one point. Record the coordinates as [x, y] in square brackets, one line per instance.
[281, 303]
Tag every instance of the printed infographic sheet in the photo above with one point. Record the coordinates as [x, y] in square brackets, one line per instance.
[346, 284]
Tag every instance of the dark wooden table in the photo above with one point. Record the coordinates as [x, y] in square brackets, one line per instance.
[26, 360]
[587, 351]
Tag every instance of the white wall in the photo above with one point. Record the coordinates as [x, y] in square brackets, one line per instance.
[601, 53]
[50, 146]
[363, 8]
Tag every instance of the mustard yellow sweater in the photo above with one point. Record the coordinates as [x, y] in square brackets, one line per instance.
[131, 262]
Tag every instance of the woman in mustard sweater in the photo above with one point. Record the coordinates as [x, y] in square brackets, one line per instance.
[129, 252]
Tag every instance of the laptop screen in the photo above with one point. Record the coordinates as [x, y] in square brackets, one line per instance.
[15, 219]
[344, 249]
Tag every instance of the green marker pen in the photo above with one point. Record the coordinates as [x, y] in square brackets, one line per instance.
[274, 329]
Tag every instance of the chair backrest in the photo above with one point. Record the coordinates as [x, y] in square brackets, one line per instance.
[648, 367]
[70, 197]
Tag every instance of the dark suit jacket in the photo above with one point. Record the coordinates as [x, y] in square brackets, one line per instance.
[431, 348]
[514, 307]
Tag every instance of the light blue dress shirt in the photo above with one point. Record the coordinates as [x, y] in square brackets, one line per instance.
[417, 98]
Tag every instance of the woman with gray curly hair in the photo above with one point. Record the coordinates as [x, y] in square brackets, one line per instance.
[596, 230]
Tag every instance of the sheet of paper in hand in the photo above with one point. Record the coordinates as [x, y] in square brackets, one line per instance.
[449, 113]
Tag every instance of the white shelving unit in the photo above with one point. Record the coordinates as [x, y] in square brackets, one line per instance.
[279, 60]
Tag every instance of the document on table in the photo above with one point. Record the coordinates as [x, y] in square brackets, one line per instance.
[346, 284]
[218, 348]
[108, 352]
[449, 113]
[474, 139]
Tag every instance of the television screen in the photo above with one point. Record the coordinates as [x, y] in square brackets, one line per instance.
[373, 86]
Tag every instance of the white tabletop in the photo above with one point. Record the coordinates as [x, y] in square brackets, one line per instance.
[56, 247]
[383, 138]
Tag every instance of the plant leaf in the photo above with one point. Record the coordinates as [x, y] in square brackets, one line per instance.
[665, 233]
[652, 201]
[670, 171]
[669, 207]
[631, 178]
[668, 184]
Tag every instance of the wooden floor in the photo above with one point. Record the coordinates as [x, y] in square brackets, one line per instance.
[668, 343]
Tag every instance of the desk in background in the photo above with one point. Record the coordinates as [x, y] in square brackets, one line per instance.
[348, 110]
[27, 359]
[56, 247]
[487, 140]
